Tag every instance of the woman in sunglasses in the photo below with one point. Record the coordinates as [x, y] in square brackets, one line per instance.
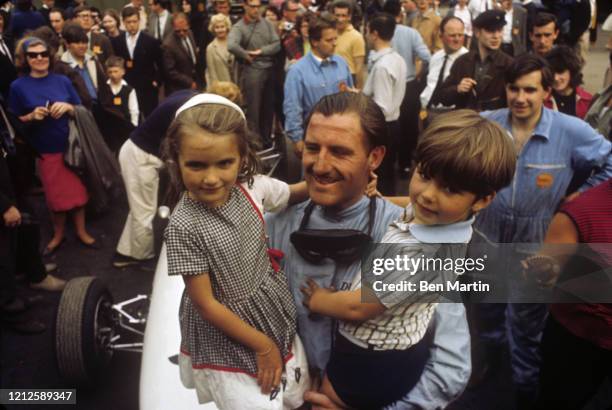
[44, 101]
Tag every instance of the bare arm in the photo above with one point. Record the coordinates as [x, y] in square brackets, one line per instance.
[344, 305]
[268, 356]
[298, 193]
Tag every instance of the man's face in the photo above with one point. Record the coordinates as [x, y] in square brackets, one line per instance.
[506, 4]
[526, 96]
[491, 40]
[453, 36]
[181, 27]
[132, 23]
[137, 3]
[155, 8]
[78, 50]
[84, 19]
[251, 8]
[336, 160]
[343, 18]
[462, 3]
[408, 6]
[422, 5]
[327, 45]
[222, 7]
[290, 12]
[57, 21]
[543, 38]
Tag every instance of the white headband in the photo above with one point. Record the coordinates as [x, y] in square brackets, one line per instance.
[206, 98]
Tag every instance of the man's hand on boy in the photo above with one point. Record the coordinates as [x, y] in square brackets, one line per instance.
[319, 401]
[312, 293]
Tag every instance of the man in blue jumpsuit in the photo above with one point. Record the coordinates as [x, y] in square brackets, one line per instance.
[552, 148]
[343, 144]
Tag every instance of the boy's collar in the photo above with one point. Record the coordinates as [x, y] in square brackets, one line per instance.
[458, 232]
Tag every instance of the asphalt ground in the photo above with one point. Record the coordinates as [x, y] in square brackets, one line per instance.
[28, 362]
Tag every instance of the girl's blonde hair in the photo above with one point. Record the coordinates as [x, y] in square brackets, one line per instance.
[219, 18]
[214, 119]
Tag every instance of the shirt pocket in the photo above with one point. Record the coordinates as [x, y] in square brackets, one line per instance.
[541, 186]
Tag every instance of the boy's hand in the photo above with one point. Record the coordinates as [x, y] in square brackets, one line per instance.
[269, 368]
[312, 291]
[541, 269]
[371, 188]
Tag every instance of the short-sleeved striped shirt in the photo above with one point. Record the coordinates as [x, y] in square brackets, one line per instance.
[228, 243]
[404, 324]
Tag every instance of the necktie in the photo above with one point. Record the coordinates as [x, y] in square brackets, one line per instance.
[440, 79]
[486, 4]
[4, 49]
[159, 31]
[187, 45]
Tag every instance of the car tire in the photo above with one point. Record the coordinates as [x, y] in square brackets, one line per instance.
[84, 327]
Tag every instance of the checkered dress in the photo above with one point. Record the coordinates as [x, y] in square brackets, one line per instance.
[228, 243]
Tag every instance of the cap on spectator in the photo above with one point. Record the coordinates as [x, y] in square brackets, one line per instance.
[490, 20]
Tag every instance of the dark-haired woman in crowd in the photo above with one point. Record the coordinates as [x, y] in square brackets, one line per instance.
[567, 95]
[45, 101]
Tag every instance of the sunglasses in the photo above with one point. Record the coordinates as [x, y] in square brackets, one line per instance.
[36, 54]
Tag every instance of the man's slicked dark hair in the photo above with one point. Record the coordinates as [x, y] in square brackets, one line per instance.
[73, 33]
[317, 25]
[384, 25]
[543, 19]
[393, 7]
[528, 63]
[371, 117]
[340, 4]
[129, 11]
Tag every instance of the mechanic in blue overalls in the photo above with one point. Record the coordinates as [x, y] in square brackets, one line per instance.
[552, 147]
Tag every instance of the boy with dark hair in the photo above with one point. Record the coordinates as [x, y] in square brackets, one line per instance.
[386, 85]
[380, 348]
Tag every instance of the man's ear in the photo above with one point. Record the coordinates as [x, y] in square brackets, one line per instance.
[482, 203]
[375, 157]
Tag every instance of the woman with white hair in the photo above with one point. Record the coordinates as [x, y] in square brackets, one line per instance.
[219, 61]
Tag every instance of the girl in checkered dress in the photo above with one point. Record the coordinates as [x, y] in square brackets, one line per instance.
[239, 345]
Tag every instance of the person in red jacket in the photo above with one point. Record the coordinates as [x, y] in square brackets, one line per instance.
[567, 95]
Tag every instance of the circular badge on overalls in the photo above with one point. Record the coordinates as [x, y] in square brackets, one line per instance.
[544, 180]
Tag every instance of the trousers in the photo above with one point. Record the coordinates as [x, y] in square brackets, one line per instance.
[140, 172]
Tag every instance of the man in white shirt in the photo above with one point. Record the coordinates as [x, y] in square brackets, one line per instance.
[452, 35]
[142, 14]
[386, 85]
[480, 6]
[160, 19]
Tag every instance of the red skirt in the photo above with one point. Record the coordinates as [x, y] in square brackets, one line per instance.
[63, 188]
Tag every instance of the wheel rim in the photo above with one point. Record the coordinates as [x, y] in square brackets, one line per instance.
[104, 329]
